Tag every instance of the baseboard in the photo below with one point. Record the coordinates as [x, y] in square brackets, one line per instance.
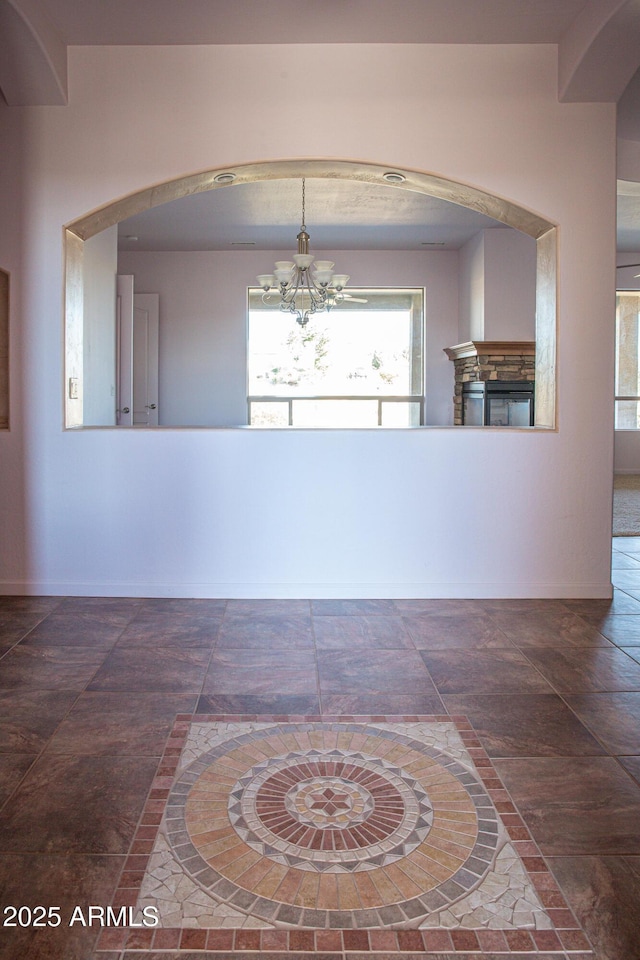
[313, 591]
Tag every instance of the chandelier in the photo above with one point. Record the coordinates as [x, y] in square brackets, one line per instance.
[304, 287]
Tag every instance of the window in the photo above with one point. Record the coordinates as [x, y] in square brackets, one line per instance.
[627, 405]
[358, 365]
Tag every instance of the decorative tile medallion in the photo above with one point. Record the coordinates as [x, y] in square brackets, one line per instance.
[345, 824]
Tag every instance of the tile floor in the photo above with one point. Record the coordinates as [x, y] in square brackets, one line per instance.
[90, 690]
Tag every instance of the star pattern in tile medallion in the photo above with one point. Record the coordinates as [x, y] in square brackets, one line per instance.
[347, 824]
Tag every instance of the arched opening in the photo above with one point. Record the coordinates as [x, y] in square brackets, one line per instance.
[505, 212]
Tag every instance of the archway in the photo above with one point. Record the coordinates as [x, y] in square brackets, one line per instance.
[507, 212]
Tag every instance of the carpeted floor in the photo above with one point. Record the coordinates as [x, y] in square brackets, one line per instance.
[626, 505]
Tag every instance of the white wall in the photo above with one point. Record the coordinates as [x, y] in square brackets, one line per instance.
[99, 302]
[498, 286]
[203, 305]
[235, 512]
[472, 276]
[510, 285]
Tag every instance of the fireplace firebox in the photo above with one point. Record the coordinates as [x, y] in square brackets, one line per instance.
[498, 403]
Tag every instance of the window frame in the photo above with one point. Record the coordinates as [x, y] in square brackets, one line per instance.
[618, 397]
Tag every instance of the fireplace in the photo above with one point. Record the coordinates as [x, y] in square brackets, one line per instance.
[494, 382]
[498, 403]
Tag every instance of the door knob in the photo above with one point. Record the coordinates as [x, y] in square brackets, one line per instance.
[151, 406]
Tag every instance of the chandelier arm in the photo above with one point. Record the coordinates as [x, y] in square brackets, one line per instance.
[289, 294]
[319, 290]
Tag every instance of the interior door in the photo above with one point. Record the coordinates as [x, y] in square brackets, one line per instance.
[124, 351]
[145, 359]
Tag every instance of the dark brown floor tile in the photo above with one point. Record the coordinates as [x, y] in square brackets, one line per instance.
[39, 605]
[263, 659]
[620, 604]
[116, 610]
[155, 630]
[15, 626]
[588, 669]
[77, 805]
[80, 629]
[163, 670]
[29, 717]
[621, 628]
[193, 607]
[632, 765]
[268, 608]
[119, 724]
[495, 670]
[272, 632]
[614, 718]
[12, 770]
[549, 630]
[533, 725]
[308, 705]
[340, 608]
[49, 667]
[359, 673]
[515, 605]
[63, 881]
[439, 608]
[261, 672]
[455, 632]
[390, 704]
[575, 805]
[604, 893]
[380, 633]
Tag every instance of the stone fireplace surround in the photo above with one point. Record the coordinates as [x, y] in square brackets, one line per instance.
[479, 360]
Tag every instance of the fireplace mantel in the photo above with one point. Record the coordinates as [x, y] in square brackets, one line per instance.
[491, 348]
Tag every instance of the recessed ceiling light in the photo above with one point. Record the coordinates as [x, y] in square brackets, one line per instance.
[224, 177]
[129, 236]
[393, 177]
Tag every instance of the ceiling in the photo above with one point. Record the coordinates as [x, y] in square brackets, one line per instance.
[311, 21]
[340, 215]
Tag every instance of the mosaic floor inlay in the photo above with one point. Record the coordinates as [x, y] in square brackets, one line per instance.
[384, 824]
